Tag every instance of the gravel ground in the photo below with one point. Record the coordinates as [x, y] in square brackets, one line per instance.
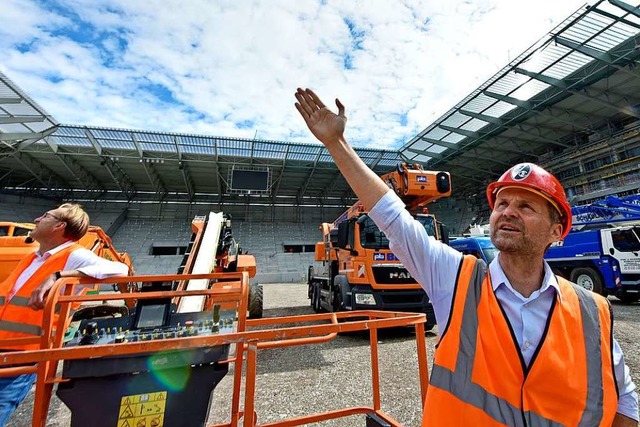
[303, 380]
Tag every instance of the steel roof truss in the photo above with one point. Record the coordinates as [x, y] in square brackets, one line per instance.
[150, 170]
[46, 181]
[121, 179]
[184, 170]
[376, 160]
[616, 18]
[94, 143]
[278, 180]
[303, 189]
[88, 181]
[188, 181]
[20, 136]
[626, 7]
[509, 100]
[21, 119]
[440, 143]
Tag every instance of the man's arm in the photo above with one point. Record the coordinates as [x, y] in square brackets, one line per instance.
[81, 263]
[621, 421]
[329, 127]
[37, 298]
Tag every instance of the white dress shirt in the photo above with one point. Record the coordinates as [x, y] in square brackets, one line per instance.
[81, 259]
[435, 266]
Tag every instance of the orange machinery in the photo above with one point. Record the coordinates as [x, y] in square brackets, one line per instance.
[212, 249]
[358, 270]
[158, 367]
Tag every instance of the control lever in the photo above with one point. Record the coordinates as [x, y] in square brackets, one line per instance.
[90, 334]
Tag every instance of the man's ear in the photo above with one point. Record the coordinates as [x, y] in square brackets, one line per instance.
[61, 225]
[556, 231]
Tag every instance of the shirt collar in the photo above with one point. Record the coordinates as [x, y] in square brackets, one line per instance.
[55, 250]
[498, 278]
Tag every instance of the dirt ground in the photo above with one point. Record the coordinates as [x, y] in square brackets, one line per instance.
[303, 380]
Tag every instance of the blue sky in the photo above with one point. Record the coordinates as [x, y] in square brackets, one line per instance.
[230, 68]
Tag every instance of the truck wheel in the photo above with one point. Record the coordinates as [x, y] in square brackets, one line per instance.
[337, 302]
[309, 282]
[587, 278]
[315, 299]
[255, 301]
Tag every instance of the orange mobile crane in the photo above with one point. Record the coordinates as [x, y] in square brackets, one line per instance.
[358, 269]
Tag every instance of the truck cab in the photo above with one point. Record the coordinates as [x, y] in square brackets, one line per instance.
[603, 260]
[480, 247]
[356, 270]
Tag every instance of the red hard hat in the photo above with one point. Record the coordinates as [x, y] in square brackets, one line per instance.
[533, 178]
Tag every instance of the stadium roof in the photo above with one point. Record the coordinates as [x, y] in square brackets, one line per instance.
[112, 164]
[582, 80]
[579, 82]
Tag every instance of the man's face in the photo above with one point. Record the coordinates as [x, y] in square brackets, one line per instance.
[48, 224]
[521, 223]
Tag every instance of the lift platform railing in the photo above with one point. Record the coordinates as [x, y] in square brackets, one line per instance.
[227, 289]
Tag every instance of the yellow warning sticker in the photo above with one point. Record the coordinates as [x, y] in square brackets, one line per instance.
[142, 410]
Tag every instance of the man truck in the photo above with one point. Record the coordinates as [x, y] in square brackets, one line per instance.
[358, 271]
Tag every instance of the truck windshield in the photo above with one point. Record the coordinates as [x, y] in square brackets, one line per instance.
[372, 238]
[626, 240]
[370, 235]
[429, 224]
[489, 254]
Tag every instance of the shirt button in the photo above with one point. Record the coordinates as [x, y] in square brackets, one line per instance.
[526, 345]
[526, 304]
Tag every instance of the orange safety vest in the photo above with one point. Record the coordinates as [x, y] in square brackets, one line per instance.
[17, 320]
[479, 377]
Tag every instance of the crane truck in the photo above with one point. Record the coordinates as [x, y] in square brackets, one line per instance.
[358, 271]
[602, 251]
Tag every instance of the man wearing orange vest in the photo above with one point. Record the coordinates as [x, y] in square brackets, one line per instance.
[23, 293]
[517, 346]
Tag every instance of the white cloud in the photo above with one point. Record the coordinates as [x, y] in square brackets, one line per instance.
[230, 68]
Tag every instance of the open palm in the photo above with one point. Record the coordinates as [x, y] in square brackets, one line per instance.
[322, 122]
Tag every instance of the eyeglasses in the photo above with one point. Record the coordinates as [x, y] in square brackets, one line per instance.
[46, 214]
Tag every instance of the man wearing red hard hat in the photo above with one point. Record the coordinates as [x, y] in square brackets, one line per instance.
[517, 346]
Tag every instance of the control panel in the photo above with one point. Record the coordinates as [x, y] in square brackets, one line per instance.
[166, 388]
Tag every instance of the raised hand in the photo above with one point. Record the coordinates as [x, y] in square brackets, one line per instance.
[325, 125]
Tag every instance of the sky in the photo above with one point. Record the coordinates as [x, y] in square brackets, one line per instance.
[230, 68]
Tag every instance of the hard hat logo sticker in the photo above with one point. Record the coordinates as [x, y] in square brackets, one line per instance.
[521, 171]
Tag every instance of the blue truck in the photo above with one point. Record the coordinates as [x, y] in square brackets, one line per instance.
[478, 246]
[602, 251]
[604, 260]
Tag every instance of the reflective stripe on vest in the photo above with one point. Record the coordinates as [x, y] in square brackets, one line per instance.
[23, 328]
[460, 384]
[24, 302]
[19, 301]
[592, 414]
[17, 319]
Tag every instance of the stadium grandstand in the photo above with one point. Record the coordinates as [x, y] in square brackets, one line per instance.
[571, 103]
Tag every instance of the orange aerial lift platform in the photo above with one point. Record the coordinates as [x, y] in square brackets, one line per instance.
[159, 366]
